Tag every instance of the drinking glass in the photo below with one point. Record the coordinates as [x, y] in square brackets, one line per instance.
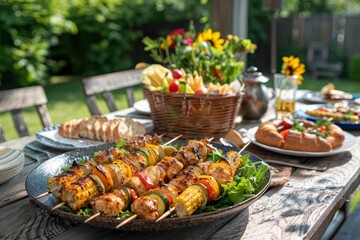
[285, 93]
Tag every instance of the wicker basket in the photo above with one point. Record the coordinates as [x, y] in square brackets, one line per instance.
[193, 116]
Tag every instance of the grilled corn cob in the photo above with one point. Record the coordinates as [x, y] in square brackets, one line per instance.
[55, 183]
[190, 200]
[79, 194]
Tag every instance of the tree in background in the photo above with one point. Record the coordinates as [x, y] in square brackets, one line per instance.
[27, 30]
[39, 38]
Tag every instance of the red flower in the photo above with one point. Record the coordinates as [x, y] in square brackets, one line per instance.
[171, 37]
[218, 74]
[188, 41]
[178, 31]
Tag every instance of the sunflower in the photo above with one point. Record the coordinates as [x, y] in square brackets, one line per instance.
[212, 37]
[292, 66]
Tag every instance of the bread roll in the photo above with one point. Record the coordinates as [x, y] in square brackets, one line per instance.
[267, 134]
[300, 141]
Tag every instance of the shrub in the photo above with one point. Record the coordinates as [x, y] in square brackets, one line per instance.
[28, 28]
[45, 37]
[354, 67]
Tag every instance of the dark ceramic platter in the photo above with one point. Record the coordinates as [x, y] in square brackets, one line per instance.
[36, 183]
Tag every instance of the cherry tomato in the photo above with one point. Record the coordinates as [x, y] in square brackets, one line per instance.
[174, 87]
[202, 90]
[176, 73]
[285, 133]
[321, 129]
[287, 123]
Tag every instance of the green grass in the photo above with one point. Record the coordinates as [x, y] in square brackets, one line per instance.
[66, 101]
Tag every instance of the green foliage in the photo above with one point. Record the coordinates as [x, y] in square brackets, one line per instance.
[309, 7]
[27, 29]
[44, 37]
[354, 68]
[110, 32]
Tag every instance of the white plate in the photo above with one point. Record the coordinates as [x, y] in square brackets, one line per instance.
[142, 106]
[349, 143]
[11, 163]
[315, 97]
[50, 137]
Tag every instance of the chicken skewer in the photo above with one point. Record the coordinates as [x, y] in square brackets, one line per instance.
[183, 204]
[217, 173]
[101, 181]
[76, 171]
[120, 168]
[171, 166]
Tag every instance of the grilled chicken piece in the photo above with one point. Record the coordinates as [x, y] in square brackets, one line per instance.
[171, 166]
[145, 207]
[137, 142]
[202, 149]
[140, 160]
[192, 153]
[110, 204]
[185, 178]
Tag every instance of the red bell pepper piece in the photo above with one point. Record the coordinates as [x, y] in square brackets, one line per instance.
[209, 188]
[145, 180]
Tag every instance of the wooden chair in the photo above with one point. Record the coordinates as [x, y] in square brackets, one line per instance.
[15, 100]
[106, 83]
[318, 64]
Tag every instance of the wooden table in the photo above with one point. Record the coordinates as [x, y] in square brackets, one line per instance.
[300, 209]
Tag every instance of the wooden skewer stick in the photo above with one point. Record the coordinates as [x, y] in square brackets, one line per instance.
[126, 221]
[58, 206]
[42, 195]
[172, 140]
[92, 217]
[244, 147]
[167, 213]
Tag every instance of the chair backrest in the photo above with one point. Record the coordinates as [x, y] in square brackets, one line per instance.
[106, 83]
[15, 100]
[317, 52]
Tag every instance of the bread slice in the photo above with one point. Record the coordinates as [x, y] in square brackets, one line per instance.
[121, 131]
[113, 123]
[103, 131]
[97, 127]
[136, 128]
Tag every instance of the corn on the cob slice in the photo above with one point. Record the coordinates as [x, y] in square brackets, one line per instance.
[79, 194]
[190, 200]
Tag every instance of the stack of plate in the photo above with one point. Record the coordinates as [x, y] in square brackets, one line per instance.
[11, 163]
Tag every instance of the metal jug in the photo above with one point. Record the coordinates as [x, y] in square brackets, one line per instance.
[256, 97]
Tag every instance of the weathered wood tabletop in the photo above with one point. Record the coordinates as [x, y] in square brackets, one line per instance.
[300, 209]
